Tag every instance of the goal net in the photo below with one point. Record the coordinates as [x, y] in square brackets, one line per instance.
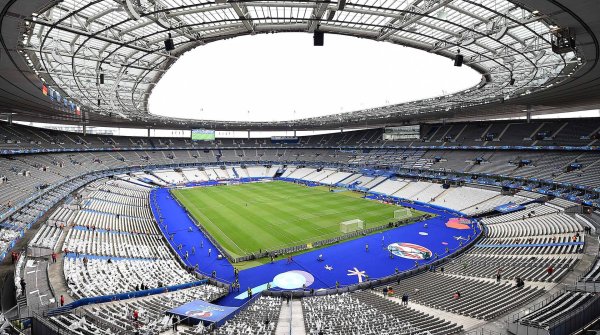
[403, 213]
[351, 225]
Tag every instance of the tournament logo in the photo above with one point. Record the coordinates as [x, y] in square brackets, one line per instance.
[459, 223]
[410, 251]
[293, 279]
[199, 314]
[511, 206]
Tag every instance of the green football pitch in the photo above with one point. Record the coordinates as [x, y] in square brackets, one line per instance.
[246, 218]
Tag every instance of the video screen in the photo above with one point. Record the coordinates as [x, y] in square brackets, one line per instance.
[402, 133]
[203, 135]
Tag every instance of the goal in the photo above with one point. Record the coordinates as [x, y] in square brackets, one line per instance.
[403, 213]
[351, 225]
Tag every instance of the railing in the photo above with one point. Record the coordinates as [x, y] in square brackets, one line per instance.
[565, 324]
[535, 307]
[572, 322]
[42, 326]
[127, 295]
[240, 309]
[579, 282]
[341, 148]
[39, 251]
[171, 324]
[593, 287]
[100, 322]
[482, 331]
[17, 327]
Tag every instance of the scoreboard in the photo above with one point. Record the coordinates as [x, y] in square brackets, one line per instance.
[203, 135]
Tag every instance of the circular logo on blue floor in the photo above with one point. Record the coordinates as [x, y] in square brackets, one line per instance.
[293, 279]
[409, 251]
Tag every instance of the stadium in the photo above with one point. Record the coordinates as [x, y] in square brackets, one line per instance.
[267, 167]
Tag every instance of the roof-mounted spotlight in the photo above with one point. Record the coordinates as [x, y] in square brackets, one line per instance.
[563, 40]
[169, 45]
[318, 38]
[101, 76]
[458, 59]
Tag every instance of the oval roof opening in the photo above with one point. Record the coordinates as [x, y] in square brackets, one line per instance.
[284, 77]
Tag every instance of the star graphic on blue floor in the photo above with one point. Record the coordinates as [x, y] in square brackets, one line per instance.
[358, 273]
[328, 268]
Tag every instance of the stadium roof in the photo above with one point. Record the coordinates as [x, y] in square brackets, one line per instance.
[68, 45]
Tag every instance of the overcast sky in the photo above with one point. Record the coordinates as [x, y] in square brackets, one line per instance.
[283, 76]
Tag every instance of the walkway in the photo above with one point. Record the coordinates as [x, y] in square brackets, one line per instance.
[291, 319]
[39, 294]
[56, 275]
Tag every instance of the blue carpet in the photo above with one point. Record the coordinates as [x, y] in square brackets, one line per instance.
[339, 259]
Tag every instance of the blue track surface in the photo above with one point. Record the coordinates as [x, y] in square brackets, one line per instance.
[339, 258]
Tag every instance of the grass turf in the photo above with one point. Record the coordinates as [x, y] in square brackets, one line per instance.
[248, 217]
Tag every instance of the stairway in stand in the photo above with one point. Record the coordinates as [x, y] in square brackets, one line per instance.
[291, 319]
